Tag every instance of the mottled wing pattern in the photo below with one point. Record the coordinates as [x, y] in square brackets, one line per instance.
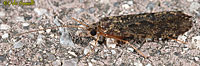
[147, 25]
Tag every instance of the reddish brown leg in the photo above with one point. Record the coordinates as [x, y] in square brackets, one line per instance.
[177, 40]
[117, 38]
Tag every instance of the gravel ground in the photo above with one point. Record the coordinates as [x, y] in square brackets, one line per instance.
[69, 46]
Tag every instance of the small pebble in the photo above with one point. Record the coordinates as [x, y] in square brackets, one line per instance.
[90, 64]
[138, 64]
[130, 2]
[196, 41]
[196, 58]
[2, 14]
[125, 6]
[92, 10]
[56, 63]
[20, 19]
[93, 60]
[110, 43]
[5, 35]
[182, 38]
[150, 6]
[189, 0]
[40, 11]
[148, 64]
[72, 53]
[86, 50]
[79, 10]
[194, 6]
[4, 27]
[25, 24]
[18, 45]
[113, 51]
[130, 49]
[65, 39]
[71, 62]
[48, 30]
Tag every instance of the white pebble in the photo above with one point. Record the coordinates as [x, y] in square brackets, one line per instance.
[48, 30]
[130, 2]
[189, 0]
[194, 6]
[110, 43]
[125, 6]
[182, 38]
[40, 11]
[196, 58]
[113, 51]
[6, 35]
[90, 64]
[25, 24]
[196, 41]
[130, 49]
[4, 27]
[20, 19]
[148, 64]
[86, 51]
[138, 64]
[18, 45]
[2, 14]
[72, 53]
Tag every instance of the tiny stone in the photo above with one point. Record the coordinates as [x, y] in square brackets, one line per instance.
[79, 10]
[51, 35]
[113, 51]
[39, 39]
[196, 58]
[189, 0]
[65, 39]
[51, 57]
[150, 6]
[18, 45]
[148, 64]
[90, 64]
[125, 6]
[25, 24]
[56, 63]
[110, 43]
[20, 19]
[138, 64]
[130, 49]
[72, 53]
[182, 38]
[48, 30]
[40, 11]
[93, 60]
[196, 41]
[2, 58]
[116, 4]
[5, 35]
[92, 10]
[130, 2]
[2, 14]
[40, 27]
[86, 51]
[4, 27]
[72, 62]
[194, 6]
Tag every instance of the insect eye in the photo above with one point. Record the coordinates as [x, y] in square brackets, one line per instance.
[93, 32]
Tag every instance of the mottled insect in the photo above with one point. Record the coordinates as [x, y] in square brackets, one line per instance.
[165, 25]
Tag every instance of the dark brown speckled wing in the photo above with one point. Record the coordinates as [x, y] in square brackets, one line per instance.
[147, 25]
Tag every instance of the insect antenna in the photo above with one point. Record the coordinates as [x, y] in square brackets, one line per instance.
[72, 26]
